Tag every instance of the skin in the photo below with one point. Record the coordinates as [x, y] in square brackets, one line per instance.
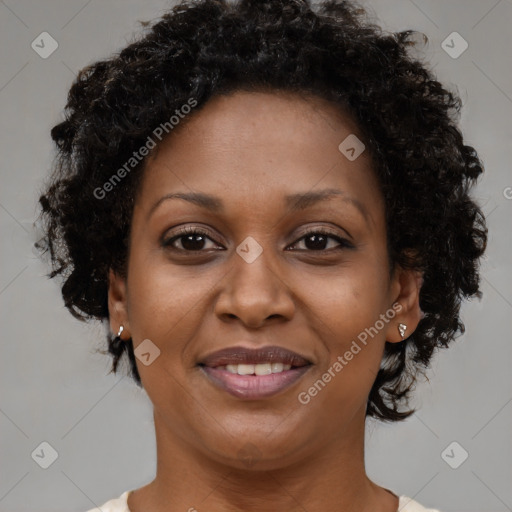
[251, 149]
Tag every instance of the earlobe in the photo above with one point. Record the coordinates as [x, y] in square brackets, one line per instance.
[118, 313]
[407, 294]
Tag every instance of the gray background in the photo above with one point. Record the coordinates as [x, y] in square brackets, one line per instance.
[56, 389]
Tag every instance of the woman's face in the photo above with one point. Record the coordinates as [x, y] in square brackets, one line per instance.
[256, 276]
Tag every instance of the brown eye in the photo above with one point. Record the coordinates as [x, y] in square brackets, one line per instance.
[318, 240]
[190, 238]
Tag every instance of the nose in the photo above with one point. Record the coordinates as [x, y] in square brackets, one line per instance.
[255, 293]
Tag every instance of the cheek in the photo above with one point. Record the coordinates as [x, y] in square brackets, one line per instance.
[346, 309]
[161, 294]
[163, 307]
[349, 300]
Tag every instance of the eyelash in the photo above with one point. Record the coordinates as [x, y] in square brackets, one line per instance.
[191, 230]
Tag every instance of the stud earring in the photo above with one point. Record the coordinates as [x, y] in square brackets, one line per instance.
[401, 329]
[121, 329]
[117, 345]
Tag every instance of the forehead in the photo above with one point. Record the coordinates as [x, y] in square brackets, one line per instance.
[260, 145]
[287, 118]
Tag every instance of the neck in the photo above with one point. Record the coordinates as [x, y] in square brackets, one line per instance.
[331, 479]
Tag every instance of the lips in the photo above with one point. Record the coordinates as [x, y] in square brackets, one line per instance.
[254, 374]
[242, 355]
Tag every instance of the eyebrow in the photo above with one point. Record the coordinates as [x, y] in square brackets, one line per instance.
[206, 201]
[305, 200]
[294, 202]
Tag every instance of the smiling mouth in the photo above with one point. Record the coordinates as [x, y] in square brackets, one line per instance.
[252, 374]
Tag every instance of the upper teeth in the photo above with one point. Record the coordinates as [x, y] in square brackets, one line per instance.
[256, 369]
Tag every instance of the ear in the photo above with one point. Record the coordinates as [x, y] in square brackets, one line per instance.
[406, 286]
[117, 304]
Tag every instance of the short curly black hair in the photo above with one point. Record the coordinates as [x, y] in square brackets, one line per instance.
[200, 49]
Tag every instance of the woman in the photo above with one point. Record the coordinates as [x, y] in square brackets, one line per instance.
[269, 203]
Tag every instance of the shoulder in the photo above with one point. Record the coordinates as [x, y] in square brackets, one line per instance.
[406, 504]
[114, 505]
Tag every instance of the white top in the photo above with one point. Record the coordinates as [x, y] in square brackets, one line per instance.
[120, 504]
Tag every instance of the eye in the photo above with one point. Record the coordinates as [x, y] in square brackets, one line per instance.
[194, 239]
[317, 240]
[191, 238]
